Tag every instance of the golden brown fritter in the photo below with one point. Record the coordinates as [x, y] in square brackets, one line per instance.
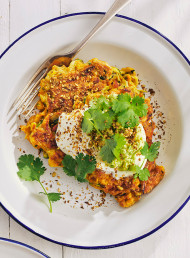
[156, 175]
[67, 88]
[42, 136]
[126, 190]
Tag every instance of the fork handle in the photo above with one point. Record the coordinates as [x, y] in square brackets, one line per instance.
[116, 7]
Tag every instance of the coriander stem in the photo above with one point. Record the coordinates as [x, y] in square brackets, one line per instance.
[98, 130]
[50, 206]
[143, 160]
[142, 164]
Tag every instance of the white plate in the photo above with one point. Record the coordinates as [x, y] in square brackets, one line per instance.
[10, 248]
[160, 65]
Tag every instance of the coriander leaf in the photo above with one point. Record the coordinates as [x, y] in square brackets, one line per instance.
[129, 109]
[38, 165]
[122, 103]
[85, 165]
[128, 118]
[120, 140]
[139, 107]
[25, 173]
[152, 152]
[137, 100]
[136, 169]
[106, 151]
[30, 169]
[102, 120]
[87, 124]
[144, 150]
[24, 160]
[79, 167]
[154, 149]
[69, 165]
[142, 174]
[53, 197]
[111, 114]
[97, 119]
[102, 103]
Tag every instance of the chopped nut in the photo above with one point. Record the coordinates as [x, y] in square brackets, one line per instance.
[54, 174]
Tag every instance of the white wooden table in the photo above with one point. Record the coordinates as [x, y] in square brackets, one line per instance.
[171, 18]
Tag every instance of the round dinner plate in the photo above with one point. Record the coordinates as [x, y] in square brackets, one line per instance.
[10, 248]
[83, 218]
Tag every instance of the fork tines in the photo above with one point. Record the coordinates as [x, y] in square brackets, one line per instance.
[29, 93]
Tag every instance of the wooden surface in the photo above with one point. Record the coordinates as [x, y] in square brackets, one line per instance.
[171, 18]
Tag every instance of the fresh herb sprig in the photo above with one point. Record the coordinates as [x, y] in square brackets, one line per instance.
[142, 174]
[107, 150]
[152, 152]
[112, 148]
[79, 167]
[98, 117]
[103, 112]
[31, 169]
[149, 154]
[123, 109]
[128, 110]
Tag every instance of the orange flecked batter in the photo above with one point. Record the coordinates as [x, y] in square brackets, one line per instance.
[67, 88]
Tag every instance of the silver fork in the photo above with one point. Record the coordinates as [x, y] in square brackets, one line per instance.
[30, 91]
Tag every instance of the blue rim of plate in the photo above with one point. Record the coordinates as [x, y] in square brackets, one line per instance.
[24, 245]
[175, 213]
